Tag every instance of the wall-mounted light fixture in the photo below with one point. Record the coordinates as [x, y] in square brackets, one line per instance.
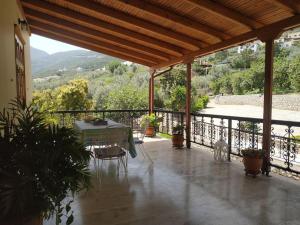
[23, 24]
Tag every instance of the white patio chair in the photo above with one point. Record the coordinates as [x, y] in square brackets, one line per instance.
[109, 145]
[138, 138]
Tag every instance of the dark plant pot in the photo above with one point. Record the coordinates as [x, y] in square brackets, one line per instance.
[150, 131]
[177, 140]
[252, 165]
[37, 220]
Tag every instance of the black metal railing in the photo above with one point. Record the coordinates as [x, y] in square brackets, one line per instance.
[67, 118]
[207, 129]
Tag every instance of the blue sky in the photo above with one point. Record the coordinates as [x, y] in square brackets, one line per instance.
[50, 46]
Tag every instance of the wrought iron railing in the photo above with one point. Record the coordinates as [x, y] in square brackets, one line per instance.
[67, 118]
[206, 129]
[241, 133]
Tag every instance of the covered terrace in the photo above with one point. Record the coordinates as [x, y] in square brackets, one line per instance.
[187, 187]
[163, 33]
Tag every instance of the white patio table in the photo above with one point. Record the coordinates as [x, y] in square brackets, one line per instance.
[113, 132]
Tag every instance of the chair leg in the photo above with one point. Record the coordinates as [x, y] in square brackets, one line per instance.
[118, 167]
[100, 170]
[141, 150]
[124, 164]
[145, 153]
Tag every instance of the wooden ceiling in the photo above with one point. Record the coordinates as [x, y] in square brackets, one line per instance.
[158, 33]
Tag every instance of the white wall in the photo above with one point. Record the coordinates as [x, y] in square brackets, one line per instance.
[9, 14]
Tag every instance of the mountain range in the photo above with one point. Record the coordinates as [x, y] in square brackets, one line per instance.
[44, 64]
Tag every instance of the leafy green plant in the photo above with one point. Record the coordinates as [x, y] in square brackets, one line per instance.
[41, 166]
[178, 129]
[150, 120]
[253, 153]
[250, 126]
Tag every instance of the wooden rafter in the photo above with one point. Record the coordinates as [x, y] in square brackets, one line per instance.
[289, 5]
[246, 37]
[90, 41]
[66, 25]
[75, 17]
[99, 11]
[170, 16]
[226, 13]
[87, 46]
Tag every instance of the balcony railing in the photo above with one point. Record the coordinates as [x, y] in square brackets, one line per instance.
[206, 129]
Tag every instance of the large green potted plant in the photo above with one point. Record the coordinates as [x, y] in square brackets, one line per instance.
[177, 136]
[252, 159]
[41, 168]
[150, 122]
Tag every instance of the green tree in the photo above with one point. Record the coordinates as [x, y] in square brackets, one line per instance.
[74, 95]
[281, 80]
[177, 98]
[243, 60]
[176, 77]
[127, 97]
[294, 74]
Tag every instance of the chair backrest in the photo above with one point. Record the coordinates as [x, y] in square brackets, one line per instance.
[138, 130]
[108, 137]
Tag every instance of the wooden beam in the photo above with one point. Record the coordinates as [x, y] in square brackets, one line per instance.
[66, 25]
[220, 10]
[89, 47]
[173, 17]
[93, 23]
[89, 42]
[267, 116]
[188, 104]
[118, 17]
[243, 38]
[290, 5]
[19, 4]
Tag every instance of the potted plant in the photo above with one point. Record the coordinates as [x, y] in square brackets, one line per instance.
[177, 136]
[252, 159]
[150, 122]
[41, 168]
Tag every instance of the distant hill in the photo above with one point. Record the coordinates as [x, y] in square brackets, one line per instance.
[44, 64]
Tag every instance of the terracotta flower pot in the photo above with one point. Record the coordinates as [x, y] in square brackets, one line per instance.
[177, 140]
[150, 131]
[252, 165]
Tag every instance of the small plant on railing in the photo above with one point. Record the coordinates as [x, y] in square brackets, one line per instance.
[177, 136]
[178, 129]
[150, 122]
[252, 153]
[250, 126]
[252, 159]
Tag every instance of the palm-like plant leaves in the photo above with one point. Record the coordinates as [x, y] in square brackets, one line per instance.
[40, 164]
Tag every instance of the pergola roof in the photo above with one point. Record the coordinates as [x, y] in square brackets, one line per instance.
[159, 33]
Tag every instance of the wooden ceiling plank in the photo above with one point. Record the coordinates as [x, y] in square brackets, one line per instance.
[102, 26]
[230, 14]
[91, 41]
[175, 18]
[98, 10]
[246, 37]
[292, 6]
[89, 47]
[63, 24]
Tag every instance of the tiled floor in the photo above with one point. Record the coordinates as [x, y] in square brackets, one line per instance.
[186, 187]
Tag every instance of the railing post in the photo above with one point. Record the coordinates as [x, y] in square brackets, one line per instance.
[229, 139]
[188, 104]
